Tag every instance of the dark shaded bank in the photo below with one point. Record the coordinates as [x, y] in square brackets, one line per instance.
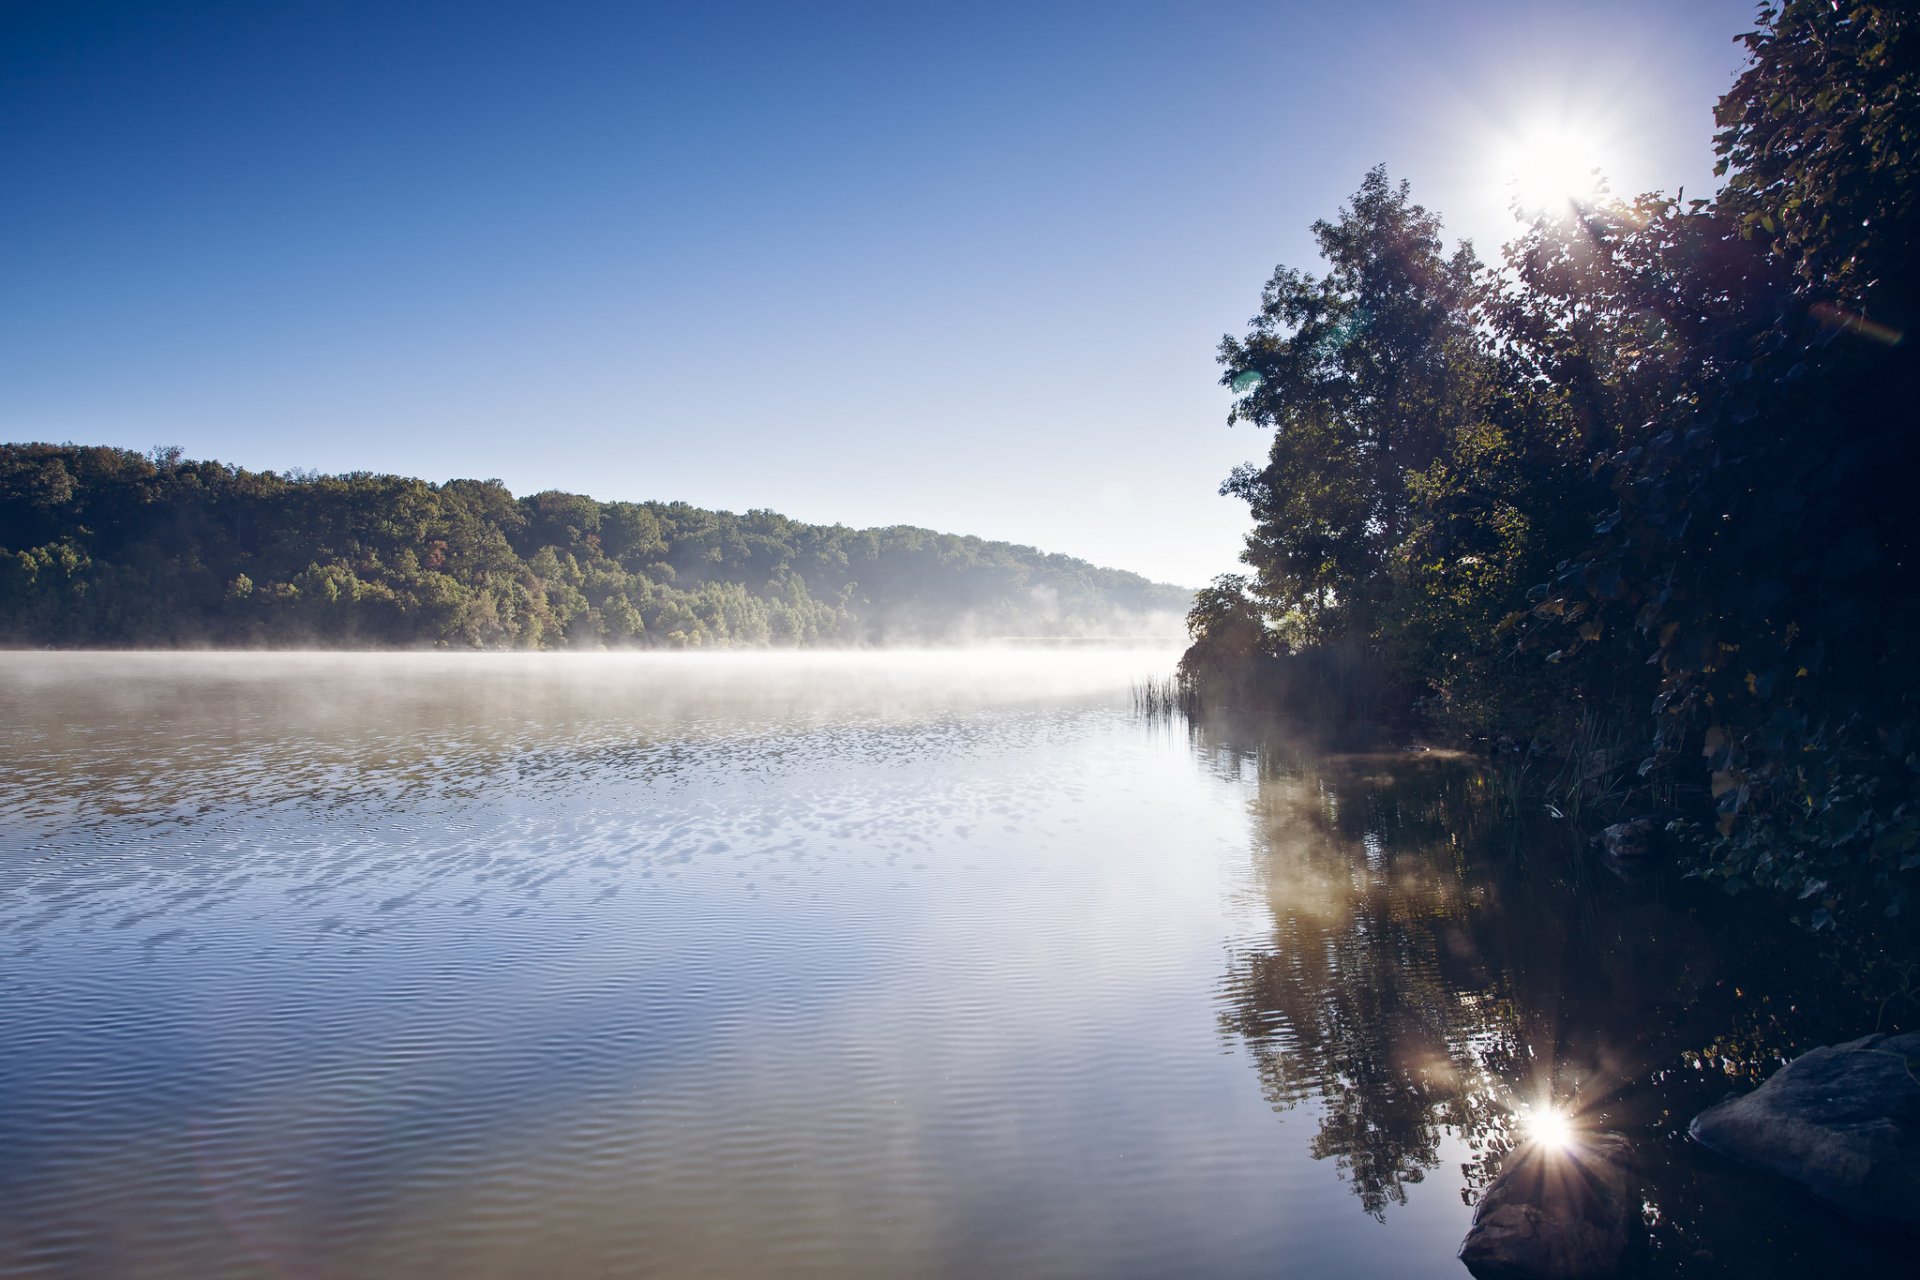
[102, 546]
[1627, 512]
[1429, 972]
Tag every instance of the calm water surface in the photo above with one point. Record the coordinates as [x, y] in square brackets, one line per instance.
[900, 964]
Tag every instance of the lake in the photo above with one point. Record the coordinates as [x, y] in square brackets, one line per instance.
[841, 964]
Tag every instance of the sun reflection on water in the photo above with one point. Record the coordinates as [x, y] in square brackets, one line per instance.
[1549, 1127]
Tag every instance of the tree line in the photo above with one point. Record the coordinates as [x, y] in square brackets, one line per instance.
[110, 547]
[1640, 490]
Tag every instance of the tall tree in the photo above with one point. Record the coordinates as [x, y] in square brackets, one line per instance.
[1362, 374]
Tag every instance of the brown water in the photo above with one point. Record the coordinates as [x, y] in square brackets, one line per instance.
[853, 965]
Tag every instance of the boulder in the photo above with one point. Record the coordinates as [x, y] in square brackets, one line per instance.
[1627, 840]
[1842, 1122]
[1563, 1213]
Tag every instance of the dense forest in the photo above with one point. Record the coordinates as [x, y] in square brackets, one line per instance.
[103, 546]
[1632, 506]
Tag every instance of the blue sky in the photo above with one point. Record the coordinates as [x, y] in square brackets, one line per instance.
[957, 266]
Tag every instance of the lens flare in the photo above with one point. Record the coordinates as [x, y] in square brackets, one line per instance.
[1547, 1126]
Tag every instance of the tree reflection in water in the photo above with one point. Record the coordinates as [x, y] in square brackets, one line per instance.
[1419, 969]
[1375, 990]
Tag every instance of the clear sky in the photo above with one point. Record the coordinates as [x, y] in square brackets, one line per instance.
[958, 266]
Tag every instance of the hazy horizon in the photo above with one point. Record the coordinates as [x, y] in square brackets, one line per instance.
[650, 499]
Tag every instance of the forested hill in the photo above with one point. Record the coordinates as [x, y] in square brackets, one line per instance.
[103, 546]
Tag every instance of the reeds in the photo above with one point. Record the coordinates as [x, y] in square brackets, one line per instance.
[1589, 773]
[1164, 698]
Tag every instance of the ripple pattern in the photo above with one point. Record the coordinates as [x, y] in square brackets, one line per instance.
[318, 967]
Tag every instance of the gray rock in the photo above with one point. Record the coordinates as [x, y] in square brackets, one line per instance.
[1843, 1122]
[1637, 839]
[1552, 1213]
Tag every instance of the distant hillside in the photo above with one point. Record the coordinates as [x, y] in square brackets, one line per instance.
[103, 546]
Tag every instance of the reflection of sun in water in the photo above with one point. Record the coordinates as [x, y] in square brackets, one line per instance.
[1552, 163]
[1549, 1127]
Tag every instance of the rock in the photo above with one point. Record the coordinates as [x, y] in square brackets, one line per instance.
[1842, 1122]
[1637, 839]
[1554, 1213]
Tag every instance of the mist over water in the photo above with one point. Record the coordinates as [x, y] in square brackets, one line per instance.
[797, 963]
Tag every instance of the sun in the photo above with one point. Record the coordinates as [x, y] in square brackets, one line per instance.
[1551, 164]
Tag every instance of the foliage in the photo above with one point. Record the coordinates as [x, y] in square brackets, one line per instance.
[103, 546]
[1226, 628]
[1758, 535]
[1362, 375]
[1651, 473]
